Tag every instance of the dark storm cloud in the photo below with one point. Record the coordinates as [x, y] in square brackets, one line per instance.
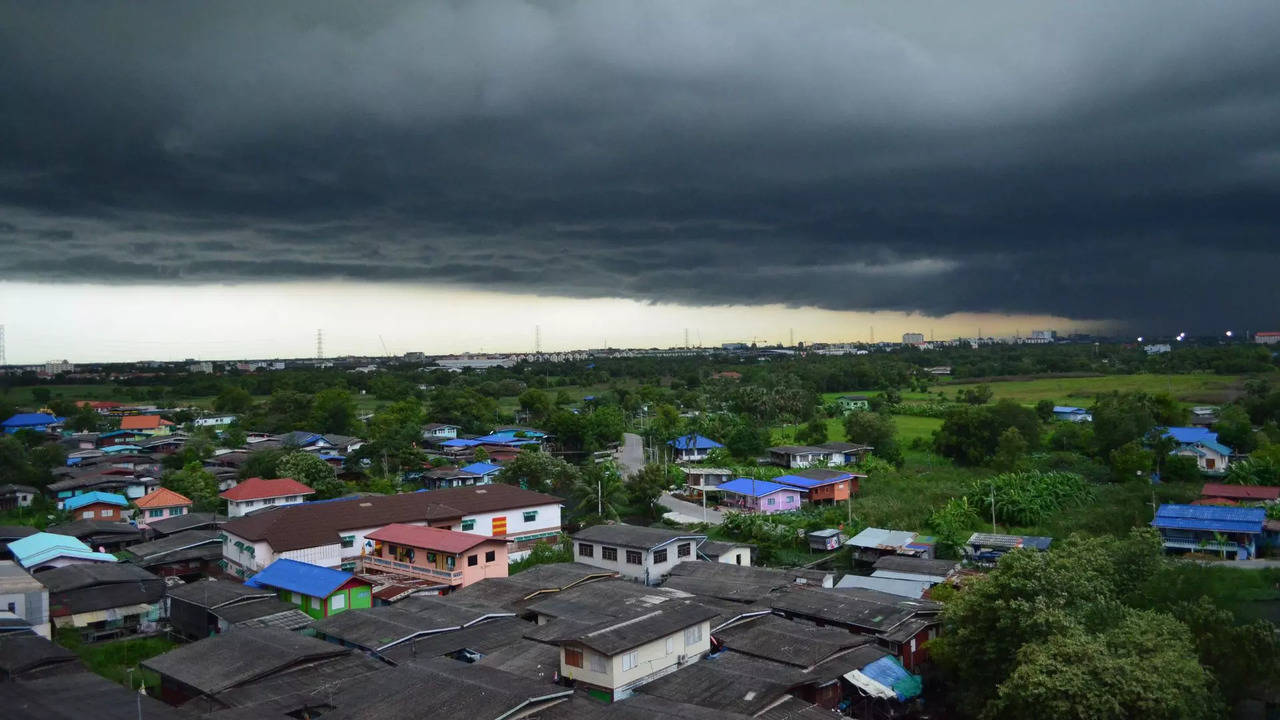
[1094, 160]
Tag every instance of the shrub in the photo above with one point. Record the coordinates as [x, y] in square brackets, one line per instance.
[1031, 497]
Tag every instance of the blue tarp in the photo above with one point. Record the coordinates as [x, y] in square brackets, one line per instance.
[300, 577]
[889, 672]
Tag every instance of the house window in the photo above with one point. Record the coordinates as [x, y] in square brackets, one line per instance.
[633, 557]
[659, 556]
[348, 540]
[490, 556]
[573, 657]
[770, 502]
[468, 525]
[609, 553]
[473, 560]
[693, 635]
[315, 603]
[87, 514]
[451, 562]
[684, 549]
[347, 566]
[297, 598]
[596, 663]
[629, 660]
[155, 513]
[671, 645]
[586, 550]
[530, 515]
[338, 602]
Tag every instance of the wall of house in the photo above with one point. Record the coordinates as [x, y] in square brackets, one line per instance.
[647, 570]
[484, 569]
[99, 511]
[521, 534]
[831, 492]
[238, 508]
[782, 501]
[143, 518]
[31, 603]
[737, 556]
[653, 660]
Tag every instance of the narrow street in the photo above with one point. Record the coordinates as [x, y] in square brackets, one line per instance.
[631, 454]
[687, 512]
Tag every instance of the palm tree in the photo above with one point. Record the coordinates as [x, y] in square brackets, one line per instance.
[600, 487]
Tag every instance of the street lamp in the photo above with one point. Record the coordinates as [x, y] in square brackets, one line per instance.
[1228, 333]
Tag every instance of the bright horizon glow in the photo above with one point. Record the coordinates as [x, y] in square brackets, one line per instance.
[85, 323]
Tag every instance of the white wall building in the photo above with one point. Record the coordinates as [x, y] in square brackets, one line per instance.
[25, 597]
[640, 553]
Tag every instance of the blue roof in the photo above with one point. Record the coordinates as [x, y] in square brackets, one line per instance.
[694, 442]
[510, 437]
[300, 577]
[481, 468]
[42, 546]
[460, 442]
[753, 488]
[1068, 409]
[26, 420]
[1210, 517]
[1190, 435]
[804, 482]
[119, 448]
[97, 496]
[1216, 446]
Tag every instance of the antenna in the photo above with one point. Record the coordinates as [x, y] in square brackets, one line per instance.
[319, 344]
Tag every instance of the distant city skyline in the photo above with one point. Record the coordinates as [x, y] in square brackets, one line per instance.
[118, 323]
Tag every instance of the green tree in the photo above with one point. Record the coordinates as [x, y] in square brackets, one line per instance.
[970, 435]
[313, 472]
[1128, 460]
[813, 432]
[1179, 468]
[41, 394]
[334, 411]
[1044, 410]
[876, 430]
[261, 463]
[1235, 430]
[535, 470]
[599, 492]
[1010, 450]
[952, 524]
[233, 399]
[234, 437]
[537, 403]
[979, 395]
[645, 488]
[198, 484]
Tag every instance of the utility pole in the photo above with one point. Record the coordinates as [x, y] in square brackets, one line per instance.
[993, 506]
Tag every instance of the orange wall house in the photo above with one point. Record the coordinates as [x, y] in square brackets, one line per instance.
[829, 486]
[447, 557]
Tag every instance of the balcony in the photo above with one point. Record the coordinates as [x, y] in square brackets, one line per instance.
[373, 562]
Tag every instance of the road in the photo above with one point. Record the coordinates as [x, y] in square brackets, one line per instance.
[687, 513]
[631, 454]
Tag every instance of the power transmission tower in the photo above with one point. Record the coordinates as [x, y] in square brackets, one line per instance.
[2, 360]
[537, 339]
[319, 344]
[791, 337]
[686, 338]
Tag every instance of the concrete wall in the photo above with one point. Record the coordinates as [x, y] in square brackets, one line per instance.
[653, 660]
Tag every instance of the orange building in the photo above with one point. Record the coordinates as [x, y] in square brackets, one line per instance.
[161, 503]
[831, 486]
[451, 558]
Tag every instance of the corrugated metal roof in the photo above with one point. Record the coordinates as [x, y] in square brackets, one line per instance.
[879, 537]
[96, 496]
[481, 468]
[805, 482]
[1241, 492]
[300, 577]
[893, 586]
[694, 442]
[43, 546]
[30, 420]
[754, 488]
[1210, 517]
[1190, 435]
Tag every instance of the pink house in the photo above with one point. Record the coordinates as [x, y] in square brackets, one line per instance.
[451, 558]
[759, 496]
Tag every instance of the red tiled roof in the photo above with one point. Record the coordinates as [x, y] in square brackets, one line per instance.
[1241, 492]
[257, 489]
[429, 538]
[143, 422]
[164, 497]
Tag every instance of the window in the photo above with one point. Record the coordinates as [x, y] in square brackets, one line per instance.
[629, 660]
[530, 515]
[315, 603]
[596, 663]
[693, 635]
[770, 502]
[348, 540]
[473, 560]
[671, 645]
[573, 657]
[586, 550]
[175, 511]
[490, 556]
[155, 513]
[451, 562]
[468, 525]
[87, 514]
[608, 553]
[338, 602]
[684, 549]
[913, 644]
[13, 607]
[633, 557]
[347, 566]
[297, 599]
[659, 556]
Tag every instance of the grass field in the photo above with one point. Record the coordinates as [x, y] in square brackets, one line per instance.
[910, 427]
[112, 660]
[1191, 389]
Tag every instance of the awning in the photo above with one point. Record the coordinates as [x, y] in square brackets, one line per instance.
[88, 618]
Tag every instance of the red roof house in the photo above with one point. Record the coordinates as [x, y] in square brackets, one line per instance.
[447, 557]
[257, 493]
[1241, 493]
[161, 503]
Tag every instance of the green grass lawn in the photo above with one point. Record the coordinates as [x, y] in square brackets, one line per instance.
[910, 427]
[113, 659]
[1196, 388]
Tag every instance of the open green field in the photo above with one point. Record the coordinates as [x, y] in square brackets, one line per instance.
[910, 427]
[1193, 389]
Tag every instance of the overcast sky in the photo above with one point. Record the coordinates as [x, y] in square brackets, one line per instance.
[1088, 161]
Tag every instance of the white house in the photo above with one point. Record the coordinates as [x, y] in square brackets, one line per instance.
[257, 493]
[692, 448]
[619, 655]
[333, 533]
[214, 420]
[23, 596]
[640, 553]
[442, 431]
[1212, 457]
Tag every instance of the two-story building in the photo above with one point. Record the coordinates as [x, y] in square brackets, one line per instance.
[257, 493]
[822, 486]
[692, 448]
[1230, 532]
[610, 660]
[640, 553]
[97, 505]
[159, 504]
[445, 557]
[334, 533]
[317, 591]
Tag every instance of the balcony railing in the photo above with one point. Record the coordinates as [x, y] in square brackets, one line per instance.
[404, 568]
